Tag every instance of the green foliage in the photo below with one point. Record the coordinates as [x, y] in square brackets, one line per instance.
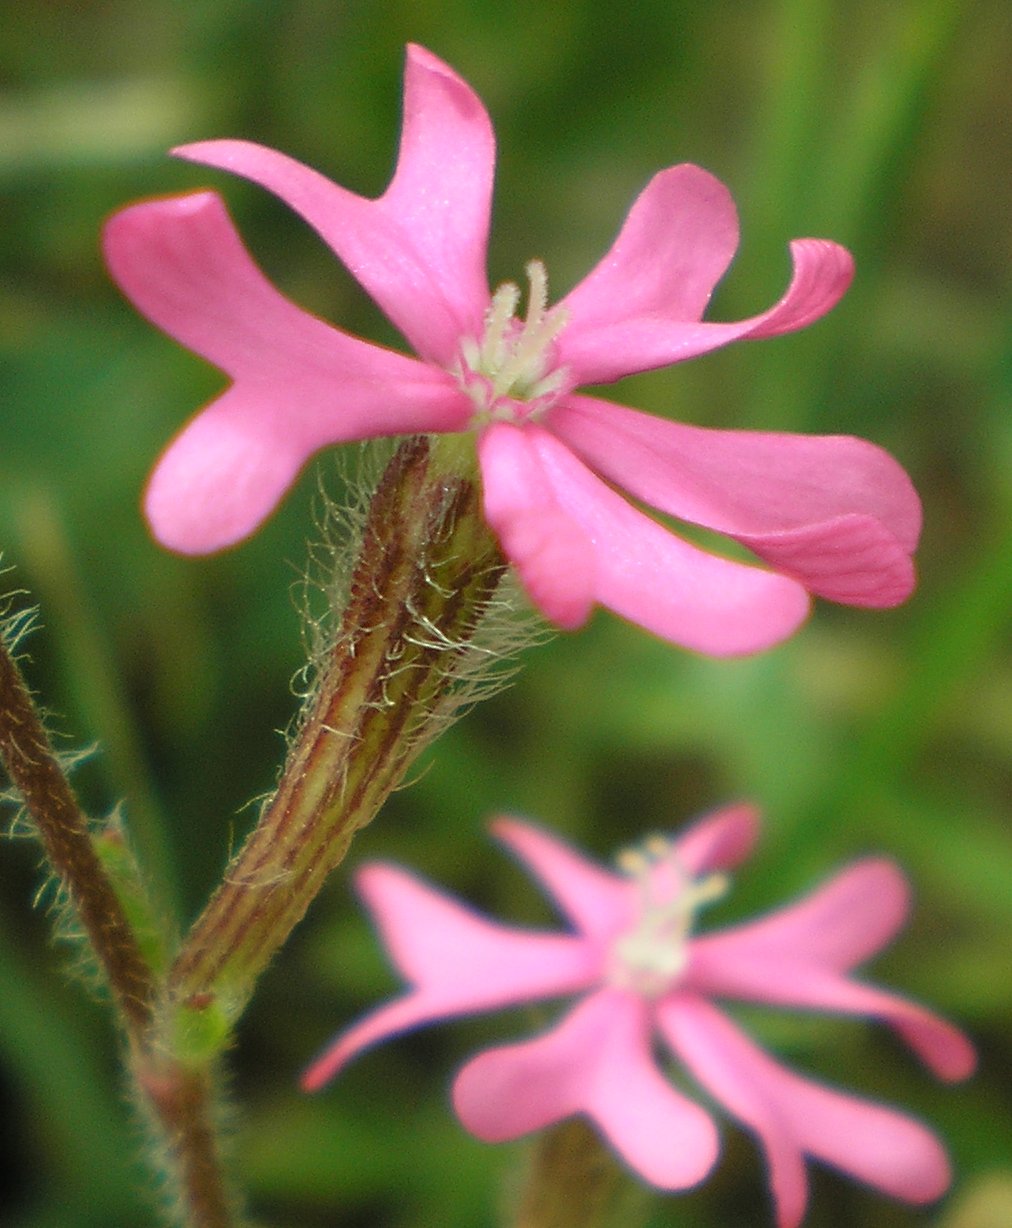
[878, 125]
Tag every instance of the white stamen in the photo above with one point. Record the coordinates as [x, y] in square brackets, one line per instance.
[649, 957]
[494, 347]
[511, 363]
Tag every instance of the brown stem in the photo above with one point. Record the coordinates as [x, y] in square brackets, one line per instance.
[63, 829]
[426, 570]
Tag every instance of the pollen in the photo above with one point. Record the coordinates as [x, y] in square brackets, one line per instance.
[510, 374]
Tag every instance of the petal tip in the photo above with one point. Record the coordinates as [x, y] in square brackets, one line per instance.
[194, 151]
[503, 827]
[143, 220]
[960, 1059]
[415, 53]
[218, 480]
[185, 526]
[313, 1079]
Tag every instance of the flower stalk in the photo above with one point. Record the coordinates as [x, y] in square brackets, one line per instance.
[410, 649]
[574, 1182]
[427, 569]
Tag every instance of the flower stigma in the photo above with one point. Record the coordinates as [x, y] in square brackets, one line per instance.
[509, 374]
[650, 957]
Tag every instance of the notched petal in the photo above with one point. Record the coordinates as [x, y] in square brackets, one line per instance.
[641, 339]
[596, 1061]
[654, 578]
[419, 250]
[835, 512]
[793, 1116]
[300, 383]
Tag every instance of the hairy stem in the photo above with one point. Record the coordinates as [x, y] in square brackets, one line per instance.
[181, 1101]
[63, 829]
[177, 1098]
[426, 571]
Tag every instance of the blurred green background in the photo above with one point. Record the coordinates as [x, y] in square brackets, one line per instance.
[882, 125]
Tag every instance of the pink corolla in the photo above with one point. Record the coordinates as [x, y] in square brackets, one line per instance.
[643, 975]
[833, 516]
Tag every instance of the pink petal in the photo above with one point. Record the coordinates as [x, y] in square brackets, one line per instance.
[793, 1116]
[794, 956]
[419, 249]
[224, 473]
[720, 840]
[387, 1021]
[458, 961]
[839, 924]
[648, 575]
[675, 245]
[706, 1042]
[777, 980]
[300, 384]
[552, 555]
[597, 1061]
[597, 901]
[607, 339]
[836, 512]
[437, 942]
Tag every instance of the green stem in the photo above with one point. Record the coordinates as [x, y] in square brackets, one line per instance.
[574, 1182]
[426, 572]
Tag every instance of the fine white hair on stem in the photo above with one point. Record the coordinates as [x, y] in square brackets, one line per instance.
[477, 661]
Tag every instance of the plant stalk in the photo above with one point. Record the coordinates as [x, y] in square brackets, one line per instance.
[181, 1100]
[178, 1098]
[427, 569]
[573, 1181]
[49, 800]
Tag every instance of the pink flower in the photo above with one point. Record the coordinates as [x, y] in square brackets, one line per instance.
[833, 516]
[640, 973]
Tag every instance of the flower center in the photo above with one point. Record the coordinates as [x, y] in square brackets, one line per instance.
[510, 374]
[650, 956]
